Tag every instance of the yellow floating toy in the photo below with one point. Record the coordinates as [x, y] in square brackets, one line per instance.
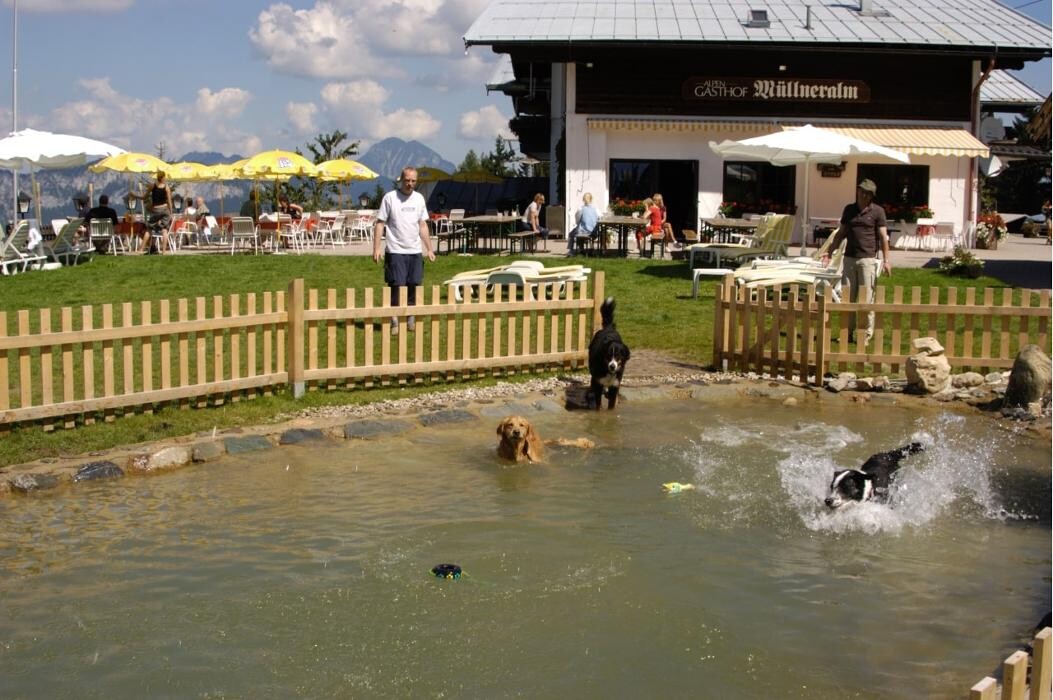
[677, 487]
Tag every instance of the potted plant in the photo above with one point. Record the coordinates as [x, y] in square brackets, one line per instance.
[961, 263]
[729, 210]
[626, 207]
[990, 228]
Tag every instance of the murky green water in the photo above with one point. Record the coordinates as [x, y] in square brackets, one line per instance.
[305, 572]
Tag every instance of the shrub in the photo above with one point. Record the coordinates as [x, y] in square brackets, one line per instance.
[961, 263]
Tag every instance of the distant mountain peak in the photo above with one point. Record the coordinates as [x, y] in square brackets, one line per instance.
[389, 156]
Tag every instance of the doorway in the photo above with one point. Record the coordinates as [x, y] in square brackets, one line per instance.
[676, 180]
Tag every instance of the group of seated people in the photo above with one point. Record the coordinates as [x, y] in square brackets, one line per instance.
[658, 228]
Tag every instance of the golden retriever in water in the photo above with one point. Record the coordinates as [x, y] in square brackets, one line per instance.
[520, 442]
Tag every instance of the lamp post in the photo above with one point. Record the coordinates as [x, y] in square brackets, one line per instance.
[80, 203]
[363, 200]
[23, 201]
[177, 203]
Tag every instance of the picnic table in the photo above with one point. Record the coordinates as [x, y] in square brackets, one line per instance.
[622, 225]
[721, 230]
[490, 233]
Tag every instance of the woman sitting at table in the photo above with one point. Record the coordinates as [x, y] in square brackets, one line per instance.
[667, 228]
[295, 211]
[531, 217]
[654, 223]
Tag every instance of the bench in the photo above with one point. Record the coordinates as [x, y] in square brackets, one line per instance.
[527, 240]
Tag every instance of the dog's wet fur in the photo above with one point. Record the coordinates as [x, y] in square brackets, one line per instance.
[607, 357]
[871, 481]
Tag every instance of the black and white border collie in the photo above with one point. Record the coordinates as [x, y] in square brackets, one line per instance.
[607, 358]
[871, 481]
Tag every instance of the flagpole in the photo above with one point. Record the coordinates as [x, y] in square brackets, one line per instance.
[14, 106]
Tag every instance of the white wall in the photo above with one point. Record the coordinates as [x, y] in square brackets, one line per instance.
[590, 150]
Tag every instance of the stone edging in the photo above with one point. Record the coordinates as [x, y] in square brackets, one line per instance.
[380, 419]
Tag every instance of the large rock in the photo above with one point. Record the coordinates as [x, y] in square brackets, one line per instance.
[927, 346]
[27, 483]
[1029, 380]
[967, 380]
[98, 470]
[928, 374]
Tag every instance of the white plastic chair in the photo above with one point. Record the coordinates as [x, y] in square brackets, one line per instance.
[244, 231]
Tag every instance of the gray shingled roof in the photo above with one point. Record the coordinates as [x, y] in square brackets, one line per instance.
[950, 23]
[1003, 87]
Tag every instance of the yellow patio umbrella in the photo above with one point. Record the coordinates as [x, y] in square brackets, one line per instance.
[344, 170]
[130, 163]
[476, 176]
[426, 173]
[190, 172]
[275, 165]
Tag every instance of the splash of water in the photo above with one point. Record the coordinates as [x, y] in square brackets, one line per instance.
[733, 463]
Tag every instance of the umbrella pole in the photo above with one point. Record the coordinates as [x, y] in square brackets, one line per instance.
[36, 195]
[804, 219]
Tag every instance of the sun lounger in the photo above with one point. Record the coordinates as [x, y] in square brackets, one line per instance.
[470, 278]
[16, 254]
[64, 247]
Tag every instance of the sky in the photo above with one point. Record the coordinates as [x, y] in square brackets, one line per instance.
[240, 76]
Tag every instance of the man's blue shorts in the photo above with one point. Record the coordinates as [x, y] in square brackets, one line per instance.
[403, 269]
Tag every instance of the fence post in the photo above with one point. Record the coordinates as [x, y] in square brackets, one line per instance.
[720, 340]
[597, 300]
[821, 339]
[294, 304]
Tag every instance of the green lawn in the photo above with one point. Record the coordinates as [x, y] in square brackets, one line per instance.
[655, 311]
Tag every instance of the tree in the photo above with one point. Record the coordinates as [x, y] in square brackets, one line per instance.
[312, 193]
[470, 162]
[498, 161]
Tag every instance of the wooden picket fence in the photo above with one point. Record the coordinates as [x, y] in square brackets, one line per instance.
[101, 360]
[1017, 683]
[799, 330]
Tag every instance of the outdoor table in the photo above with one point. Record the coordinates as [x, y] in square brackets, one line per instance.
[822, 228]
[720, 230]
[621, 224]
[488, 233]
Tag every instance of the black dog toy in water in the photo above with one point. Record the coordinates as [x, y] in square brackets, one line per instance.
[447, 571]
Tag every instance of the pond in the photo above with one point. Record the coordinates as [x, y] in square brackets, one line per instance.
[305, 572]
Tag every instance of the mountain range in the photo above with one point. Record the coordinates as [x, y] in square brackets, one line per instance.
[58, 187]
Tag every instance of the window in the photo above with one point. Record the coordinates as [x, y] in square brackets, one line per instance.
[752, 187]
[899, 187]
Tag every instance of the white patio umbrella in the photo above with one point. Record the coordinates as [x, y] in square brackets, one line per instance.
[30, 149]
[806, 144]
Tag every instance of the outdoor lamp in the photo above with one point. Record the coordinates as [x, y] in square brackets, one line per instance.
[80, 202]
[177, 202]
[363, 200]
[23, 204]
[129, 201]
[440, 199]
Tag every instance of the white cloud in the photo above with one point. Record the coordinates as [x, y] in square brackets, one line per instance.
[140, 125]
[485, 123]
[72, 5]
[227, 103]
[361, 103]
[351, 39]
[322, 42]
[301, 116]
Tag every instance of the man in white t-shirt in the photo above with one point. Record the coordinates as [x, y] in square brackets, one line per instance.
[404, 215]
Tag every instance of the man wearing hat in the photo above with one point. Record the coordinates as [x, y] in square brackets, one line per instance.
[865, 230]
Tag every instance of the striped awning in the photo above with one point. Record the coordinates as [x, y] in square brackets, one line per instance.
[687, 124]
[917, 140]
[949, 141]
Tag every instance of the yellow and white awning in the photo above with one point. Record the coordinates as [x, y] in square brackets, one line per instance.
[917, 140]
[951, 141]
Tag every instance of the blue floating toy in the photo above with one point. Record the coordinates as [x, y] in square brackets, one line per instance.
[446, 571]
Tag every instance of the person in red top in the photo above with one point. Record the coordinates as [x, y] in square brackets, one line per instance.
[667, 228]
[654, 222]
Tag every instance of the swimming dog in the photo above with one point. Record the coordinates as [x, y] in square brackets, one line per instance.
[607, 358]
[519, 442]
[871, 481]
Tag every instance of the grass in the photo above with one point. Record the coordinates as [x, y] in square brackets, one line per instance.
[655, 311]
